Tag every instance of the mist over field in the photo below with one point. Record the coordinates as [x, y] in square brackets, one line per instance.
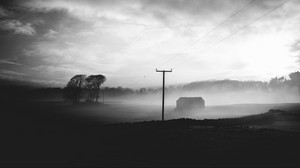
[220, 92]
[223, 99]
[219, 97]
[149, 83]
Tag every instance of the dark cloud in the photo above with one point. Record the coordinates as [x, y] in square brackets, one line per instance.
[4, 12]
[24, 28]
[17, 27]
[13, 73]
[10, 62]
[10, 24]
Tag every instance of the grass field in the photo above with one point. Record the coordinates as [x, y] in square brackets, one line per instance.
[61, 134]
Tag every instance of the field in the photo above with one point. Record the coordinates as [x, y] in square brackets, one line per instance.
[63, 134]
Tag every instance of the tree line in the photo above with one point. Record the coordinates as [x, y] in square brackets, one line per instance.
[284, 83]
[274, 84]
[82, 85]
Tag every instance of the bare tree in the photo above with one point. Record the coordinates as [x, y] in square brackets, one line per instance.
[93, 83]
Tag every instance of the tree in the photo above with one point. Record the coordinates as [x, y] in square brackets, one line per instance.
[276, 83]
[73, 90]
[295, 78]
[142, 91]
[93, 83]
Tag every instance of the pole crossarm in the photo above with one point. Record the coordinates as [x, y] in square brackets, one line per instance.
[163, 92]
[163, 70]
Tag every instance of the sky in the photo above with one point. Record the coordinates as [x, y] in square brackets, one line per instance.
[48, 42]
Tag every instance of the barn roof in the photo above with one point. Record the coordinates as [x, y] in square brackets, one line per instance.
[191, 98]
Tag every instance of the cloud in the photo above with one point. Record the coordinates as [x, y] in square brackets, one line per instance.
[12, 73]
[167, 11]
[143, 12]
[10, 62]
[4, 12]
[49, 83]
[295, 46]
[183, 16]
[17, 27]
[295, 49]
[51, 34]
[116, 38]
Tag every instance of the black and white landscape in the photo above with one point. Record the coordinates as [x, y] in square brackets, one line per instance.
[152, 83]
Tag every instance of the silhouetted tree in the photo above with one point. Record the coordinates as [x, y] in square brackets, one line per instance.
[93, 83]
[73, 90]
[274, 83]
[295, 78]
[142, 91]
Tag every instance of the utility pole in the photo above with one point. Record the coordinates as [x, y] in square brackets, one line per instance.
[163, 92]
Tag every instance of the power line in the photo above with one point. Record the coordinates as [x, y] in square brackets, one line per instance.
[253, 21]
[209, 32]
[204, 36]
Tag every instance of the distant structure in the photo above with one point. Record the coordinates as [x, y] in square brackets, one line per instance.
[188, 104]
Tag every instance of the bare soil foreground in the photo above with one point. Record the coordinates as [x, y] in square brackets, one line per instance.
[56, 134]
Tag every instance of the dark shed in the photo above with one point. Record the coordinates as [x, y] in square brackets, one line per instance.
[190, 104]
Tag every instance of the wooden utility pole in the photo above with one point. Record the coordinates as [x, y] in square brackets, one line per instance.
[163, 92]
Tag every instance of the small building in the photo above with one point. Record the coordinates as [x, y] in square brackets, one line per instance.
[188, 104]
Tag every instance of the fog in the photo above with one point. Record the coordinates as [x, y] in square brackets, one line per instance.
[226, 104]
[223, 99]
[213, 98]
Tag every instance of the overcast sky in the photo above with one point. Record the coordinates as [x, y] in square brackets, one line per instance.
[48, 42]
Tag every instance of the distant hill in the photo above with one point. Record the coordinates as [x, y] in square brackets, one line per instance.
[18, 83]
